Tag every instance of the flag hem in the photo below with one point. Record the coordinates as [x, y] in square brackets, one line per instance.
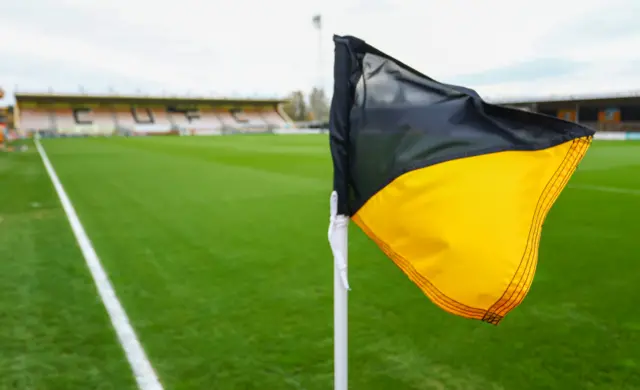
[560, 179]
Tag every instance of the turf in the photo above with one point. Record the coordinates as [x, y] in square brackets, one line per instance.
[217, 249]
[54, 332]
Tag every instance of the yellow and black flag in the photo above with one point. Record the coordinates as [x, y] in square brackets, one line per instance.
[453, 189]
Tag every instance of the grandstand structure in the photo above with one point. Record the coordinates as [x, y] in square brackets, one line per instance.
[605, 113]
[79, 114]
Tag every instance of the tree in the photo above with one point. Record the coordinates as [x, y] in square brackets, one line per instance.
[296, 109]
[319, 104]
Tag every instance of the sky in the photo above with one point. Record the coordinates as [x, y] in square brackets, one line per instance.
[503, 49]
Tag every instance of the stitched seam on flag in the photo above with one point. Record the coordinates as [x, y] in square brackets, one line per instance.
[523, 274]
[524, 260]
[414, 275]
[427, 287]
[544, 202]
[550, 194]
[524, 287]
[577, 152]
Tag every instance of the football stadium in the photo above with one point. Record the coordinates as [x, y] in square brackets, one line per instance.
[180, 242]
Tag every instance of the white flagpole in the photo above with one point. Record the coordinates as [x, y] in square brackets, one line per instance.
[338, 239]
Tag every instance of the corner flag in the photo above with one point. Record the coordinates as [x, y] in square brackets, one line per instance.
[453, 189]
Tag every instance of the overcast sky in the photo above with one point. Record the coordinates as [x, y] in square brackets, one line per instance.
[249, 48]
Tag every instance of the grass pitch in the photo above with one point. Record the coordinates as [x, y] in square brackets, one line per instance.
[217, 249]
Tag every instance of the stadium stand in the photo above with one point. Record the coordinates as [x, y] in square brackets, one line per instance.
[248, 119]
[207, 122]
[273, 119]
[102, 115]
[36, 119]
[64, 121]
[228, 121]
[610, 113]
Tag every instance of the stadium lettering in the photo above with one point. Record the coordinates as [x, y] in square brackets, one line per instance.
[239, 115]
[142, 115]
[189, 113]
[82, 116]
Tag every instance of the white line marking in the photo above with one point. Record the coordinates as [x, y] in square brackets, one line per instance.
[627, 191]
[142, 369]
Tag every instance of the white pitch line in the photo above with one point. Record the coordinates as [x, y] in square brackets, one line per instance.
[617, 190]
[142, 369]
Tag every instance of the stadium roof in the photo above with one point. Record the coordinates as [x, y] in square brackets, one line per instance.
[566, 98]
[138, 99]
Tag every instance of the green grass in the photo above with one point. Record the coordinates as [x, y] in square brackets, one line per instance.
[54, 332]
[217, 249]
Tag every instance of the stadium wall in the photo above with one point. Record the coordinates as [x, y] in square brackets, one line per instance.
[617, 136]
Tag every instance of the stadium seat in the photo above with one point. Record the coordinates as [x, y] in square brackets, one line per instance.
[208, 121]
[227, 119]
[178, 119]
[254, 119]
[274, 119]
[125, 119]
[104, 120]
[248, 120]
[35, 119]
[64, 121]
[161, 122]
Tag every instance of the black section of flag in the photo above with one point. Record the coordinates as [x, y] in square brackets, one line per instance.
[388, 119]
